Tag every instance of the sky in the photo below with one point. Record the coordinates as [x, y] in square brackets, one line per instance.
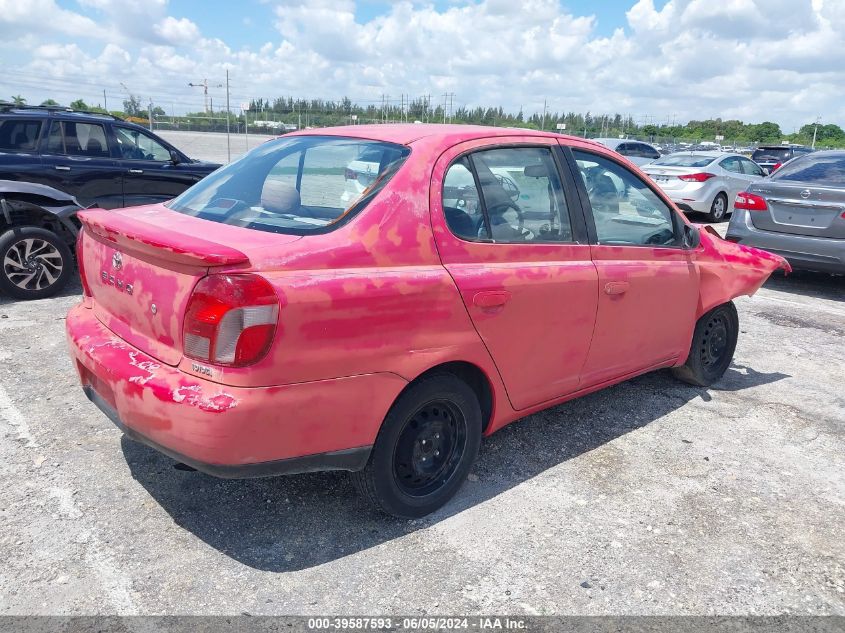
[656, 60]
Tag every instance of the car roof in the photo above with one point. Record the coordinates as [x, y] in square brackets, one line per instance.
[36, 112]
[705, 153]
[407, 133]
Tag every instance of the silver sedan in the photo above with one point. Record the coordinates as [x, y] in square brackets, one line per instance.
[798, 212]
[704, 182]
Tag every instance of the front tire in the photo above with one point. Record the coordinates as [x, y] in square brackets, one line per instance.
[713, 346]
[719, 208]
[425, 448]
[34, 263]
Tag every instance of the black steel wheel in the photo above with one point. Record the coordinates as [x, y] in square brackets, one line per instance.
[425, 448]
[713, 346]
[34, 263]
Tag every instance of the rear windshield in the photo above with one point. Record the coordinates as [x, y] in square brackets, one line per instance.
[297, 184]
[816, 169]
[684, 160]
[777, 154]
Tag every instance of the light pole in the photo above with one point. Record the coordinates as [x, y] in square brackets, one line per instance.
[815, 130]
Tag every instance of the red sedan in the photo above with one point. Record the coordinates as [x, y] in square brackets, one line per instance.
[377, 298]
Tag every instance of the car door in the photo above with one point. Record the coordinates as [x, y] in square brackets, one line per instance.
[149, 173]
[751, 172]
[509, 233]
[77, 159]
[734, 177]
[647, 284]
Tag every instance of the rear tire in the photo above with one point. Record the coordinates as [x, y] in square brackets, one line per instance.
[425, 448]
[34, 263]
[719, 208]
[713, 346]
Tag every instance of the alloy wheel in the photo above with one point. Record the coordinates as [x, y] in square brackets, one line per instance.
[33, 264]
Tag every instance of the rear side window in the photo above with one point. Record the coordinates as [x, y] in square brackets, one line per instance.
[77, 139]
[521, 198]
[814, 168]
[298, 184]
[19, 135]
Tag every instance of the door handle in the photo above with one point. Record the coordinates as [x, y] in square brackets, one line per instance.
[136, 171]
[62, 168]
[491, 298]
[616, 287]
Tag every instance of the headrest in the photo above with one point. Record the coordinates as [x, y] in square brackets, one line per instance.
[279, 197]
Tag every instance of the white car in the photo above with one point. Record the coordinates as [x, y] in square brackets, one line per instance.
[704, 182]
[637, 152]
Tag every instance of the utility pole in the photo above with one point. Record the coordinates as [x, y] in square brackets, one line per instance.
[815, 129]
[543, 124]
[228, 142]
[105, 101]
[445, 97]
[150, 112]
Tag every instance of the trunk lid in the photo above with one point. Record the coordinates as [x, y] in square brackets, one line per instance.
[142, 264]
[667, 177]
[800, 209]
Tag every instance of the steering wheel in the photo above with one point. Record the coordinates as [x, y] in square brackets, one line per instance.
[509, 186]
[661, 237]
[498, 210]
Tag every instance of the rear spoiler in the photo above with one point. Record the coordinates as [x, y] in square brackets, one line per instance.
[136, 235]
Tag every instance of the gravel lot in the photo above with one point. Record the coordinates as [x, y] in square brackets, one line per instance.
[651, 497]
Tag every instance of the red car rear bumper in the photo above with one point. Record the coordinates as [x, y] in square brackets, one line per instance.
[229, 431]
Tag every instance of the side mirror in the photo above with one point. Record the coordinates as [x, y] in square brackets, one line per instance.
[766, 171]
[174, 157]
[692, 238]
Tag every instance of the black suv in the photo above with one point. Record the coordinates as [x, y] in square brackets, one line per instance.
[771, 157]
[54, 161]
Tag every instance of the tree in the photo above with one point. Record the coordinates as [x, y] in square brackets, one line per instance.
[79, 104]
[49, 102]
[159, 111]
[132, 106]
[19, 100]
[766, 131]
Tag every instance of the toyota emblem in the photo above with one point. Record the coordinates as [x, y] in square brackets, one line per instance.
[805, 194]
[117, 261]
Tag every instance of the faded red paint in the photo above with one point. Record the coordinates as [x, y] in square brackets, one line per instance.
[372, 305]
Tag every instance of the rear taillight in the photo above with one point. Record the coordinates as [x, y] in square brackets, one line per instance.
[699, 177]
[230, 320]
[80, 264]
[750, 202]
[350, 175]
[775, 167]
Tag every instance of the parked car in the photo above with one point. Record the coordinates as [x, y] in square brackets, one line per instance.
[771, 157]
[637, 152]
[704, 182]
[798, 212]
[54, 161]
[258, 324]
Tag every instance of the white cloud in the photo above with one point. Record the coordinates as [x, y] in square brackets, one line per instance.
[754, 59]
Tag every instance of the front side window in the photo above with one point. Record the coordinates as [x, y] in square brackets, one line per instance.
[19, 135]
[77, 139]
[298, 184]
[521, 197]
[750, 168]
[136, 145]
[625, 210]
